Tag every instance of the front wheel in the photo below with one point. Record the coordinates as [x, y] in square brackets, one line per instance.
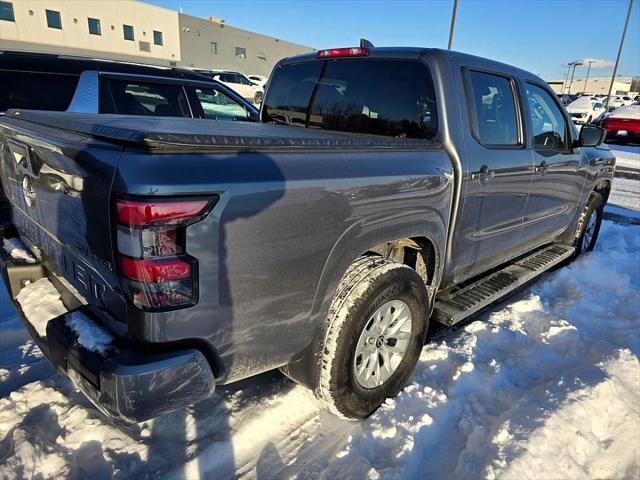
[589, 224]
[257, 99]
[377, 324]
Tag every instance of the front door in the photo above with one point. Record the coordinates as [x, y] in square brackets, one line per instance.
[498, 177]
[556, 185]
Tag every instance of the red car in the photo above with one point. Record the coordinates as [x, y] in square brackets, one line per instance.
[623, 124]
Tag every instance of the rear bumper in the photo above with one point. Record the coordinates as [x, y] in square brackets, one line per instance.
[124, 383]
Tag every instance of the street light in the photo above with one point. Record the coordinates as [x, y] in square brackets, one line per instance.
[587, 79]
[453, 23]
[615, 68]
[574, 64]
[566, 77]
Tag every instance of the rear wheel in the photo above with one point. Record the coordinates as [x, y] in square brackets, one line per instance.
[257, 99]
[589, 224]
[377, 326]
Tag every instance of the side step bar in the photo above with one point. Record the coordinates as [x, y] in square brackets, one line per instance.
[458, 303]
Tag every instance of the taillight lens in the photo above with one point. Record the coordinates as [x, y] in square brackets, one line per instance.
[151, 237]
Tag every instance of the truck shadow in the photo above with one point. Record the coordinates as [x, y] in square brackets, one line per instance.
[198, 439]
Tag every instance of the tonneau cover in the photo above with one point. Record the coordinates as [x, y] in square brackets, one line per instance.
[189, 134]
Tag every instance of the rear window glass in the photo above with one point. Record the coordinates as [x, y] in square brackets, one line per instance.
[382, 97]
[28, 90]
[138, 98]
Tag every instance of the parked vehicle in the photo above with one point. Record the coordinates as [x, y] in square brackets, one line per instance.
[238, 82]
[585, 110]
[617, 101]
[259, 80]
[55, 82]
[565, 98]
[319, 242]
[623, 124]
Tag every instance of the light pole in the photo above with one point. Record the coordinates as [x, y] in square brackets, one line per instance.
[574, 64]
[566, 77]
[453, 23]
[587, 79]
[615, 68]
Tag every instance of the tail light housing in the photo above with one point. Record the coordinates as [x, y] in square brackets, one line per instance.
[151, 237]
[343, 52]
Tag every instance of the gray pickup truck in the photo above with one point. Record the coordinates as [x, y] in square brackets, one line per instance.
[383, 188]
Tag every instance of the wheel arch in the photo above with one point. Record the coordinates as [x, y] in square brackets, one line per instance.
[416, 237]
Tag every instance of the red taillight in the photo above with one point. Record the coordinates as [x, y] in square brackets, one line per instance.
[151, 238]
[155, 271]
[136, 213]
[343, 52]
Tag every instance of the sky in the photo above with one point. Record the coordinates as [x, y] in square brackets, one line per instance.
[541, 36]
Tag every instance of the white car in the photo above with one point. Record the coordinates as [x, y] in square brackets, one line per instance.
[240, 84]
[616, 101]
[585, 110]
[258, 79]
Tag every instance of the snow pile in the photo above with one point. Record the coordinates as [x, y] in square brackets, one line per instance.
[17, 250]
[90, 336]
[40, 302]
[546, 385]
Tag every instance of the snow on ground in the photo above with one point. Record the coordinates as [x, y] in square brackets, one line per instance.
[545, 385]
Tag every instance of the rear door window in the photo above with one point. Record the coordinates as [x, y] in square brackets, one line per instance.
[141, 98]
[394, 98]
[218, 106]
[494, 118]
[36, 91]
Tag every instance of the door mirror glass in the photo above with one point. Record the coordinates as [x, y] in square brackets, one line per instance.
[591, 136]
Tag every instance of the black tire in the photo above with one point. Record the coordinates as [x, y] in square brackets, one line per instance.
[369, 283]
[595, 206]
[257, 99]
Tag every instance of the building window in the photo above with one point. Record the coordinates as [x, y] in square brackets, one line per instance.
[127, 31]
[157, 38]
[53, 19]
[241, 52]
[214, 48]
[6, 12]
[94, 26]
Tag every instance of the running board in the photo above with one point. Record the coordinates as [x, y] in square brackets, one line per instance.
[458, 303]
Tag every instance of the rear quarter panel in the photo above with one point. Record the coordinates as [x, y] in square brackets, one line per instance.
[285, 229]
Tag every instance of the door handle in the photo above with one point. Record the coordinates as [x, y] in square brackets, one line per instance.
[543, 168]
[483, 175]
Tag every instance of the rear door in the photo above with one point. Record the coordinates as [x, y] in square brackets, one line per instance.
[556, 185]
[496, 183]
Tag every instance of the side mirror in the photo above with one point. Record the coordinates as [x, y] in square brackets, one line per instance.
[591, 136]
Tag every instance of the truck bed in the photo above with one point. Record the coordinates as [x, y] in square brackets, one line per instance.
[184, 135]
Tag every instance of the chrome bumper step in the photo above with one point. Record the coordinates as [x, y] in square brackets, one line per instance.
[460, 302]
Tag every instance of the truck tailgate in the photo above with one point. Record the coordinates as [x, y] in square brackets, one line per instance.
[58, 184]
